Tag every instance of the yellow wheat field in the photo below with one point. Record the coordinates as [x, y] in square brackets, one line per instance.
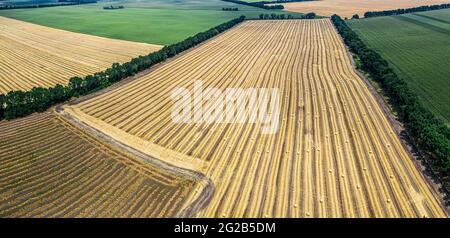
[33, 55]
[335, 154]
[49, 168]
[347, 8]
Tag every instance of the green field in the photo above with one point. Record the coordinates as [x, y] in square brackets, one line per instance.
[150, 21]
[418, 47]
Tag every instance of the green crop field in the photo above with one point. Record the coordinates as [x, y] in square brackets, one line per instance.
[157, 21]
[418, 47]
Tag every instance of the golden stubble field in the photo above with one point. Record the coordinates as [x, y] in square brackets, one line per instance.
[33, 55]
[347, 8]
[335, 154]
[50, 168]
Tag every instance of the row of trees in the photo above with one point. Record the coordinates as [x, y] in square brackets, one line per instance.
[113, 7]
[39, 4]
[430, 134]
[230, 9]
[283, 1]
[274, 16]
[10, 6]
[79, 1]
[18, 103]
[257, 4]
[407, 10]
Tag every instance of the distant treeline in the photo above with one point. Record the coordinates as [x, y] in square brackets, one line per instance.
[283, 1]
[19, 104]
[430, 134]
[6, 7]
[274, 16]
[256, 4]
[113, 7]
[230, 9]
[43, 4]
[79, 1]
[406, 10]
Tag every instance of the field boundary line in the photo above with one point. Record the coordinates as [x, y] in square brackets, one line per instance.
[424, 25]
[155, 151]
[431, 18]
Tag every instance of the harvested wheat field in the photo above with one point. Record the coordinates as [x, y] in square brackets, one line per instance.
[33, 55]
[347, 8]
[334, 155]
[48, 168]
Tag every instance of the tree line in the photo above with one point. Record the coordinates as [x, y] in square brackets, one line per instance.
[113, 7]
[19, 103]
[283, 1]
[406, 10]
[36, 4]
[429, 133]
[257, 4]
[7, 6]
[274, 16]
[230, 9]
